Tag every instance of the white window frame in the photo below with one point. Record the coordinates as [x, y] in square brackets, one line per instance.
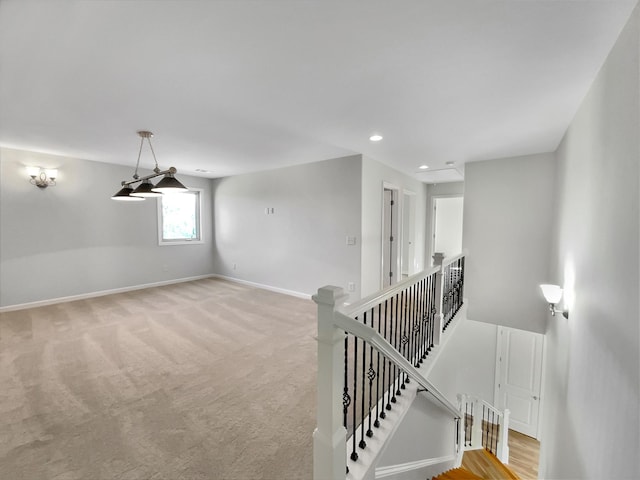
[162, 241]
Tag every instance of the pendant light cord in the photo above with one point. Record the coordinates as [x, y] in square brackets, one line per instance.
[156, 169]
[135, 174]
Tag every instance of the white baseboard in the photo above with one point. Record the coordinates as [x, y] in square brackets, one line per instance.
[293, 293]
[417, 469]
[101, 293]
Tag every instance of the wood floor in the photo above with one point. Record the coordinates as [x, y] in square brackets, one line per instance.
[523, 461]
[524, 454]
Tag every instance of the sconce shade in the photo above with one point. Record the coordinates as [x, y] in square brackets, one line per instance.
[33, 172]
[169, 184]
[144, 190]
[552, 293]
[124, 195]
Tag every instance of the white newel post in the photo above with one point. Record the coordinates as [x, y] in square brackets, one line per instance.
[330, 436]
[503, 438]
[437, 330]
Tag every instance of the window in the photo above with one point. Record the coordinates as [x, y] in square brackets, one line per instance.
[179, 218]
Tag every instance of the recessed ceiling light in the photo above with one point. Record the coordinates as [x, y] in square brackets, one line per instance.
[424, 167]
[375, 138]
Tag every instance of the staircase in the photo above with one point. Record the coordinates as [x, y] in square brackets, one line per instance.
[374, 358]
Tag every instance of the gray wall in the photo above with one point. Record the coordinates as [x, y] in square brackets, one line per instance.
[468, 363]
[302, 245]
[72, 239]
[591, 416]
[436, 190]
[374, 174]
[508, 213]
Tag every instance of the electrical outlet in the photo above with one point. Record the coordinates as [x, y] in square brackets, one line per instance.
[351, 287]
[235, 266]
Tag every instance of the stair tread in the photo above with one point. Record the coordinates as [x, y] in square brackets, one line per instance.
[486, 465]
[457, 474]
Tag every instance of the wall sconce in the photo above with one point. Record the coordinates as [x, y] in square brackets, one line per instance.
[553, 295]
[42, 178]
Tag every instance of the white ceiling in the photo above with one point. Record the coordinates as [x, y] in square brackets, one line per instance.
[239, 86]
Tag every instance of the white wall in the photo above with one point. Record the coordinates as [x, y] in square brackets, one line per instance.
[374, 174]
[438, 190]
[467, 364]
[591, 418]
[72, 239]
[508, 213]
[426, 432]
[302, 245]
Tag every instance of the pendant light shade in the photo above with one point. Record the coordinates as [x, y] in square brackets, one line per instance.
[169, 184]
[144, 190]
[124, 195]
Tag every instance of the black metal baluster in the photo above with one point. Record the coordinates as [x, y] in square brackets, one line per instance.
[483, 425]
[346, 399]
[371, 374]
[462, 281]
[354, 454]
[394, 318]
[434, 310]
[405, 336]
[384, 364]
[398, 341]
[466, 422]
[417, 323]
[473, 419]
[425, 318]
[378, 399]
[495, 435]
[420, 320]
[415, 334]
[362, 443]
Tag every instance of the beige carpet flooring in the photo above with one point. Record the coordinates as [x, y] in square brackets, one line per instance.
[200, 380]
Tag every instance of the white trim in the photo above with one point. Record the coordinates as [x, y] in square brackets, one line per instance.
[200, 240]
[432, 227]
[398, 274]
[100, 293]
[293, 293]
[391, 470]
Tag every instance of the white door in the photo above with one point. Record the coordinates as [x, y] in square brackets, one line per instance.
[447, 225]
[519, 377]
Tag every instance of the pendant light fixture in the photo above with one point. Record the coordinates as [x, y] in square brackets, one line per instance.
[146, 189]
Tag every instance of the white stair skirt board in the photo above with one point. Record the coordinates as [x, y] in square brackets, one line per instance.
[100, 293]
[293, 293]
[427, 468]
[365, 466]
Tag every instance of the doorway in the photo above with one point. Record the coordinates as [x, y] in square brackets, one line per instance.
[519, 378]
[447, 225]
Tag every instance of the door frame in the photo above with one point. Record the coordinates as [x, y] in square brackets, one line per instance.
[411, 260]
[395, 231]
[432, 227]
[497, 374]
